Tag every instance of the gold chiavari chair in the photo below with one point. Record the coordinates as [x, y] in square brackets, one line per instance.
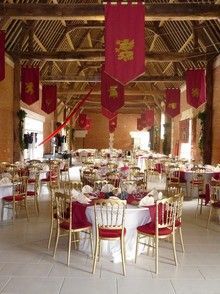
[33, 186]
[64, 170]
[53, 175]
[162, 227]
[214, 202]
[179, 210]
[109, 224]
[67, 226]
[173, 189]
[53, 188]
[18, 198]
[197, 182]
[99, 184]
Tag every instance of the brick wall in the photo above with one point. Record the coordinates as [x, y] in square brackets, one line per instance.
[6, 115]
[98, 135]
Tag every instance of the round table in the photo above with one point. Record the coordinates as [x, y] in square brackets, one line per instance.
[134, 217]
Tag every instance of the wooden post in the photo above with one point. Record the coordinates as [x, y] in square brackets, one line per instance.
[17, 152]
[207, 154]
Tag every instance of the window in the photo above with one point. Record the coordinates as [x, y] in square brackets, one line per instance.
[33, 124]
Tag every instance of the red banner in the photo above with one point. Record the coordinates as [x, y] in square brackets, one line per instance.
[82, 120]
[124, 41]
[139, 124]
[147, 118]
[172, 102]
[108, 113]
[49, 98]
[112, 124]
[112, 93]
[72, 113]
[184, 131]
[29, 85]
[195, 87]
[2, 55]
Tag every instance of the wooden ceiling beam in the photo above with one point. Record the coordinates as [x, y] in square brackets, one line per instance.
[155, 12]
[73, 27]
[98, 92]
[90, 79]
[99, 56]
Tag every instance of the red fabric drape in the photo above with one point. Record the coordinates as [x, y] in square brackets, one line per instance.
[2, 55]
[172, 102]
[72, 113]
[195, 87]
[112, 93]
[30, 84]
[49, 98]
[124, 41]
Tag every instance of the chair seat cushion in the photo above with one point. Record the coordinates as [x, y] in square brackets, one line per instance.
[66, 226]
[178, 223]
[108, 233]
[31, 193]
[202, 196]
[30, 181]
[10, 198]
[196, 182]
[150, 229]
[45, 180]
[216, 204]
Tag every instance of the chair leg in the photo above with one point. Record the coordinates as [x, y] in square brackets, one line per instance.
[156, 255]
[57, 239]
[2, 211]
[36, 205]
[174, 249]
[181, 239]
[91, 243]
[69, 248]
[99, 250]
[201, 203]
[123, 254]
[95, 256]
[26, 209]
[136, 250]
[209, 217]
[51, 233]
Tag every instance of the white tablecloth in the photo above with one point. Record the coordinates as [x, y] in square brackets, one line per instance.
[5, 190]
[134, 217]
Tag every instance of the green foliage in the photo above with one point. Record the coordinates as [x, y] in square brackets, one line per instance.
[202, 118]
[21, 115]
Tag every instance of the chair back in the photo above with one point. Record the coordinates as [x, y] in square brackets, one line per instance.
[215, 194]
[99, 184]
[165, 213]
[19, 186]
[67, 186]
[63, 202]
[173, 189]
[179, 205]
[109, 214]
[173, 175]
[125, 184]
